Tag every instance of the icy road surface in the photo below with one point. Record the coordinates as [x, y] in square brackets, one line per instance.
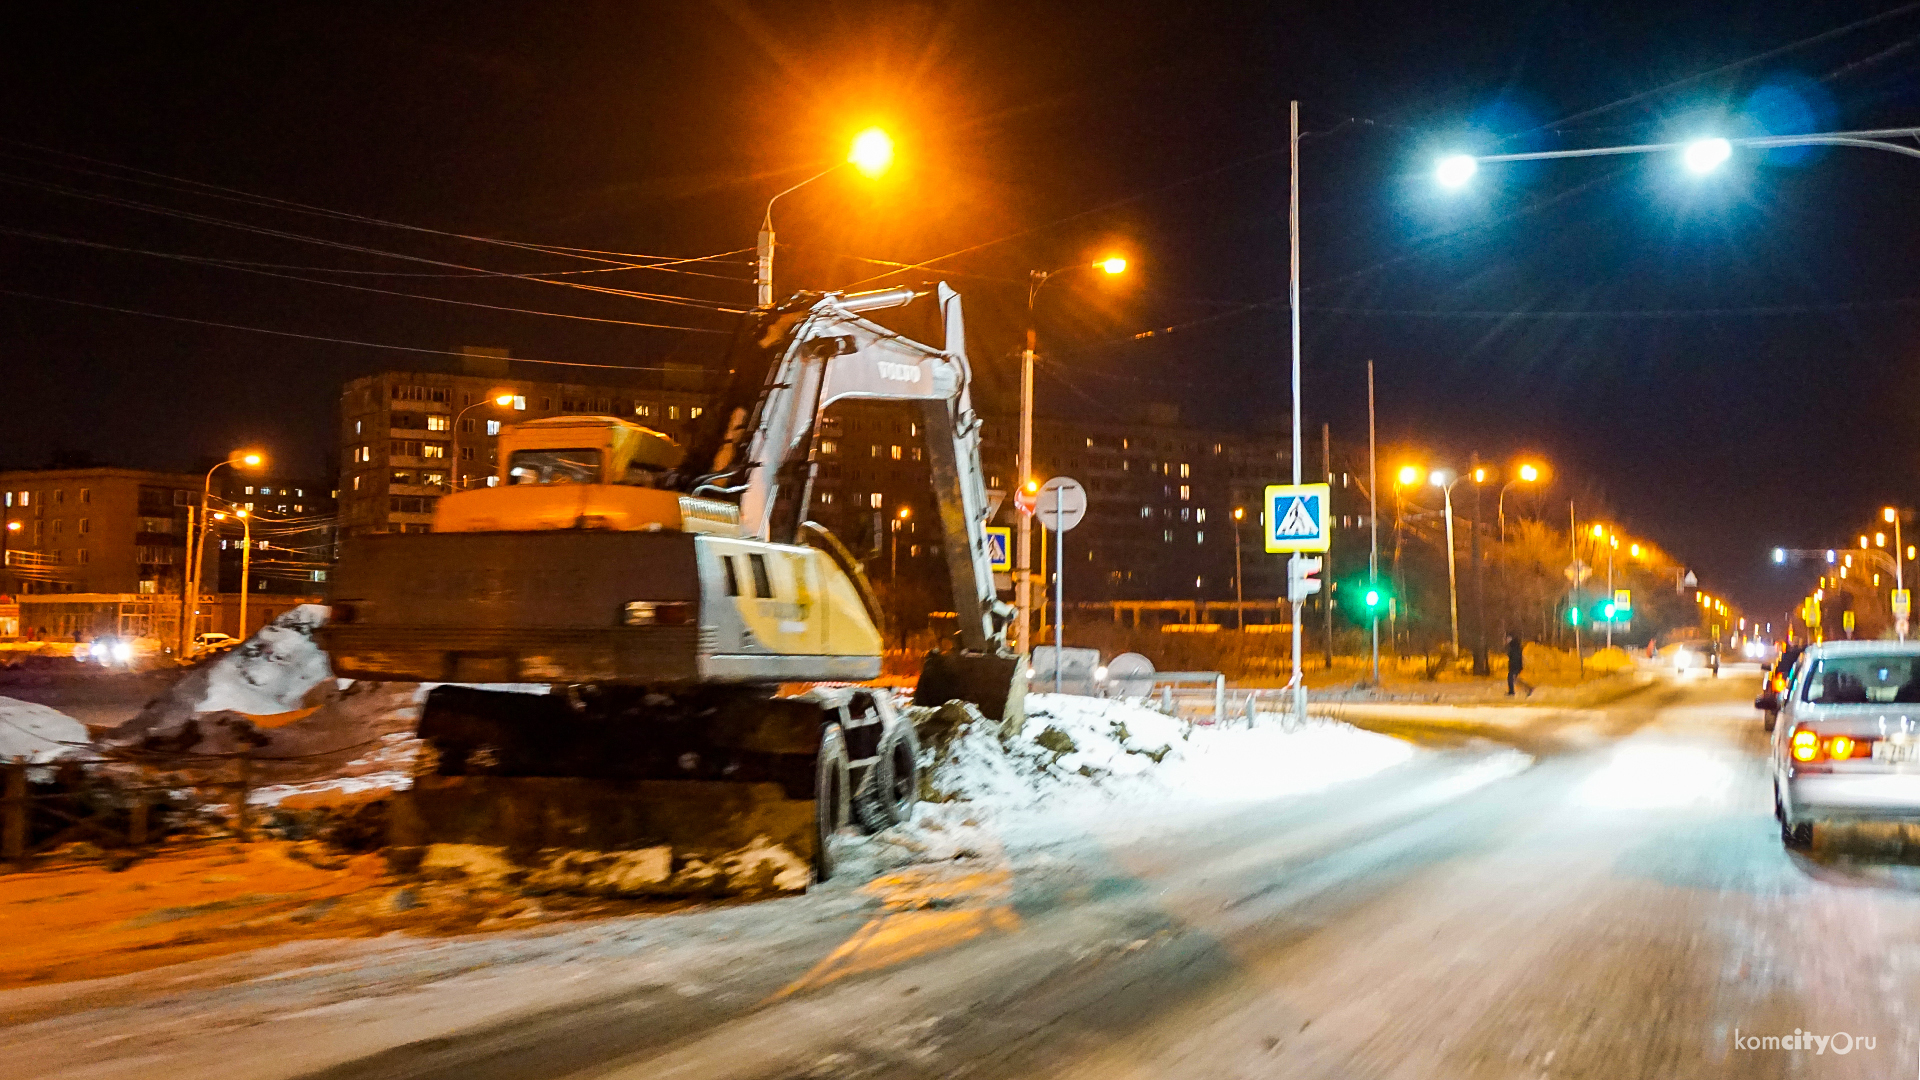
[1619, 908]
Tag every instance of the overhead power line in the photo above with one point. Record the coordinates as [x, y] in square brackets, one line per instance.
[341, 341]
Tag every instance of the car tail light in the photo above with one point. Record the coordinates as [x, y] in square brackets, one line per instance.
[1806, 745]
[1779, 683]
[656, 613]
[1840, 747]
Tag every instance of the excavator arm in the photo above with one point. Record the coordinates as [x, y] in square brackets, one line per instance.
[832, 354]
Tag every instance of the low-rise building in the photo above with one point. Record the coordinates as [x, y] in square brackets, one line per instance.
[96, 530]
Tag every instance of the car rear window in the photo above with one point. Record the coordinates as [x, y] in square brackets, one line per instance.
[1862, 680]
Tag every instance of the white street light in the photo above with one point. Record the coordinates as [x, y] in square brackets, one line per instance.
[1456, 169]
[1705, 155]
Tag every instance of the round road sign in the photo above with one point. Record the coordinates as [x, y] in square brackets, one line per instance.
[1061, 504]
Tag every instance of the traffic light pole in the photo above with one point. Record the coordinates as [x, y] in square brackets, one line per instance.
[1373, 525]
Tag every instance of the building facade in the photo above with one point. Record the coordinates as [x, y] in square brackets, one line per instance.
[96, 530]
[407, 438]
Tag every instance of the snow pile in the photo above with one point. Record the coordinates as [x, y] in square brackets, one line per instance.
[37, 734]
[1077, 751]
[271, 672]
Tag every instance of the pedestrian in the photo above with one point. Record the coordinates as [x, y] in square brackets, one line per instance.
[1516, 663]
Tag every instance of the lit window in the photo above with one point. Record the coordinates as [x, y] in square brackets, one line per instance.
[249, 489]
[1186, 492]
[1146, 511]
[1183, 470]
[264, 491]
[1200, 515]
[694, 413]
[299, 492]
[249, 507]
[434, 450]
[356, 427]
[896, 452]
[1185, 513]
[1167, 537]
[826, 498]
[356, 483]
[520, 403]
[874, 500]
[673, 412]
[642, 410]
[1200, 537]
[873, 449]
[829, 447]
[436, 422]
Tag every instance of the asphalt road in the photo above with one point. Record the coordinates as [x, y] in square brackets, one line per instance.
[1621, 907]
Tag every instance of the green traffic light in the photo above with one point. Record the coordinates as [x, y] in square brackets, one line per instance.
[1373, 599]
[1573, 615]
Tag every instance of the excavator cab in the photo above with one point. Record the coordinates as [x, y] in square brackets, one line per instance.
[573, 472]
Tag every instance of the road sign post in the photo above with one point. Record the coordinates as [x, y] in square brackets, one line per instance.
[1296, 521]
[1061, 504]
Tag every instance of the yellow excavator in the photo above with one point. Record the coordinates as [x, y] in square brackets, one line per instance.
[610, 622]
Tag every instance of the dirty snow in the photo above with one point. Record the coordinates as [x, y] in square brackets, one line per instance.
[271, 671]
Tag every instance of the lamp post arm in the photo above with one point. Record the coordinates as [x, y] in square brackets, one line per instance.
[1866, 140]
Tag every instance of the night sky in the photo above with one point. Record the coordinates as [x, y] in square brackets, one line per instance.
[1728, 361]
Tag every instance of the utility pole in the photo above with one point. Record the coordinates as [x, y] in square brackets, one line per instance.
[1373, 521]
[1293, 306]
[1023, 544]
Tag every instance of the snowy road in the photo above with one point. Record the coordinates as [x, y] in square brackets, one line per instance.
[1621, 908]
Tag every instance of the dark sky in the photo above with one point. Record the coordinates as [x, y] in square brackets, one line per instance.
[1730, 361]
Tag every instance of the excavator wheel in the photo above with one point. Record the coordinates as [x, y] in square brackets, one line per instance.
[891, 788]
[831, 798]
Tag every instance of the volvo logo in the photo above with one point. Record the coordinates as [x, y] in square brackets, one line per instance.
[906, 373]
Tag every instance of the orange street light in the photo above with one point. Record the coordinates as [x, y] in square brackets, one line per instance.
[871, 153]
[1410, 475]
[1113, 264]
[1529, 473]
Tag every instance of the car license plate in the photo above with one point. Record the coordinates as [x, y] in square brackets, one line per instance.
[1894, 753]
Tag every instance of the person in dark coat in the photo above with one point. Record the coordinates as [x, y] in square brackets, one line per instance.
[1516, 663]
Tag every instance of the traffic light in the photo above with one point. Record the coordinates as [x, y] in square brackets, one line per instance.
[1301, 582]
[1363, 599]
[1573, 614]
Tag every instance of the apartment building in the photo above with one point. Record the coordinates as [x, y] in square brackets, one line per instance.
[96, 530]
[409, 437]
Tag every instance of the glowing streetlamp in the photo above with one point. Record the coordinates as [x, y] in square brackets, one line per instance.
[1699, 155]
[190, 583]
[1892, 516]
[501, 398]
[1527, 473]
[871, 153]
[1023, 544]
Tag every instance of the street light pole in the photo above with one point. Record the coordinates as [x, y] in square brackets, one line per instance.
[1453, 588]
[1481, 666]
[1373, 523]
[502, 400]
[1293, 307]
[1899, 568]
[1026, 483]
[196, 550]
[871, 153]
[1239, 597]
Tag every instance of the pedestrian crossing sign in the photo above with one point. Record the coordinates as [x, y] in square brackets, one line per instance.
[1296, 517]
[999, 540]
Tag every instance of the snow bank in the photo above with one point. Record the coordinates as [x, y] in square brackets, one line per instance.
[38, 734]
[1078, 752]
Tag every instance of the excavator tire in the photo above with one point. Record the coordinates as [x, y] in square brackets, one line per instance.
[891, 789]
[831, 798]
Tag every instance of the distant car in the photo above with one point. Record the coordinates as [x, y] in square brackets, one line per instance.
[214, 640]
[1773, 683]
[1847, 744]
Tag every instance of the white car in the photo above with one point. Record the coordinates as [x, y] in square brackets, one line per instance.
[1847, 744]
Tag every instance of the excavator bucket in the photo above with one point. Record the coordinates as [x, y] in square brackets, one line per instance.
[994, 683]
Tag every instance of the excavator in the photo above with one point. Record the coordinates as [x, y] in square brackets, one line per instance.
[606, 629]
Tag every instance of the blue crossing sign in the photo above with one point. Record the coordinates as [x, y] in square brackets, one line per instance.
[1296, 517]
[999, 548]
